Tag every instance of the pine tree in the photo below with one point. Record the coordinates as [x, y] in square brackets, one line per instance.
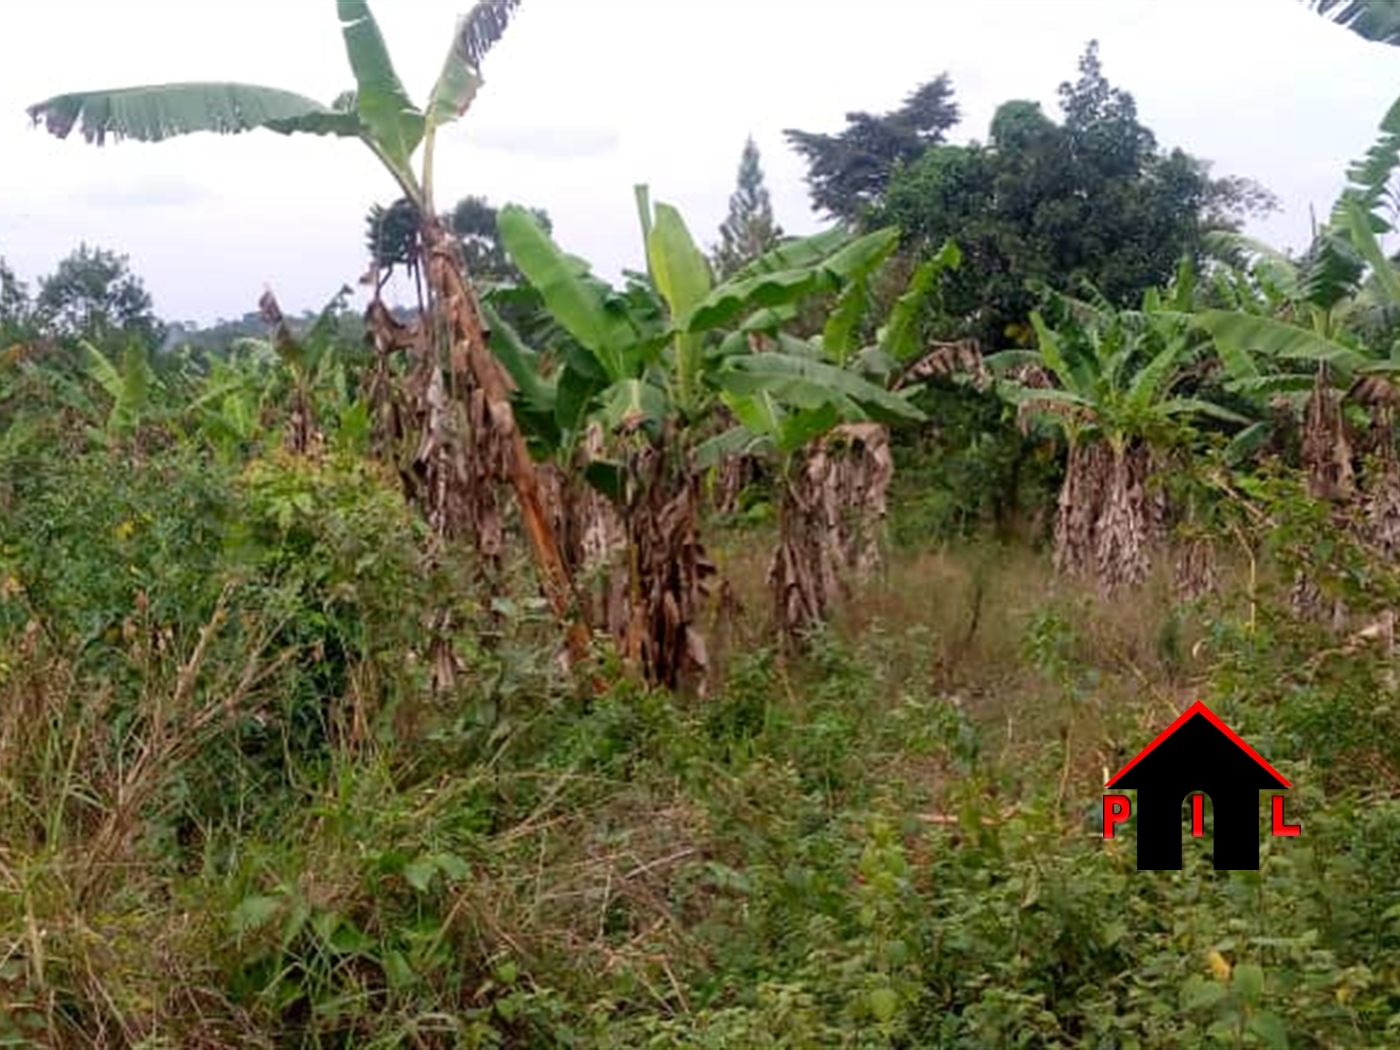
[749, 231]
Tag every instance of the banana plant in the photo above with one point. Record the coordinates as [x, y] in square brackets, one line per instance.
[1375, 20]
[663, 352]
[1111, 381]
[380, 115]
[130, 386]
[650, 364]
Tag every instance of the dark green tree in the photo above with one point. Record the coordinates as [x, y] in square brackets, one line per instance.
[94, 295]
[1089, 202]
[749, 231]
[15, 307]
[848, 172]
[474, 221]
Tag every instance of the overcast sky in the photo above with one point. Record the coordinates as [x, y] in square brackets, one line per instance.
[585, 98]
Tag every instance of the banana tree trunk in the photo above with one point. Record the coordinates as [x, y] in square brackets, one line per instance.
[833, 506]
[460, 310]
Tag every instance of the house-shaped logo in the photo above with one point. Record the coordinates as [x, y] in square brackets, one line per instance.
[1197, 755]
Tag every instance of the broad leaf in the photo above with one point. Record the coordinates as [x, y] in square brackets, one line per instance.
[770, 318]
[806, 383]
[1005, 360]
[1375, 20]
[796, 254]
[899, 335]
[1198, 407]
[733, 442]
[860, 258]
[632, 403]
[1264, 335]
[395, 125]
[735, 298]
[1359, 226]
[578, 302]
[642, 193]
[157, 112]
[798, 429]
[681, 273]
[475, 34]
[682, 276]
[839, 334]
[519, 360]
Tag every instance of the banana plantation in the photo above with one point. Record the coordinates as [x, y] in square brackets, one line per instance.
[731, 653]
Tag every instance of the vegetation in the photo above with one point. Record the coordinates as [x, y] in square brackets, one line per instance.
[732, 655]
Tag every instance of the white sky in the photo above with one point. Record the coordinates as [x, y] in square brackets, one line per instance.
[584, 98]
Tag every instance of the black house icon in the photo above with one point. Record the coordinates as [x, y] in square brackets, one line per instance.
[1198, 752]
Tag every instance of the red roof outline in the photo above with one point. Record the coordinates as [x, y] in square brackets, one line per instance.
[1198, 708]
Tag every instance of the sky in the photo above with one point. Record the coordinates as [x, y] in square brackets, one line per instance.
[586, 98]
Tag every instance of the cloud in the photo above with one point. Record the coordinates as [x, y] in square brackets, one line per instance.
[146, 193]
[548, 142]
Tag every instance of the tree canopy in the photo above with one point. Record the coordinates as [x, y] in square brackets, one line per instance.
[749, 230]
[848, 171]
[1090, 200]
[94, 295]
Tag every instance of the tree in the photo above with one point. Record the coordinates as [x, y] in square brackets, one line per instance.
[848, 172]
[379, 113]
[94, 295]
[475, 222]
[749, 231]
[1091, 199]
[15, 307]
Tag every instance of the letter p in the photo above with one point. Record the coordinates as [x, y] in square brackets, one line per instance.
[1116, 809]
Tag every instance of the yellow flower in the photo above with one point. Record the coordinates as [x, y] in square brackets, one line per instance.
[1218, 966]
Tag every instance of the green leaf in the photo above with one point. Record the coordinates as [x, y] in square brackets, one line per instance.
[759, 413]
[153, 113]
[608, 478]
[253, 913]
[806, 383]
[796, 254]
[520, 361]
[1264, 335]
[574, 396]
[860, 258]
[460, 79]
[1248, 982]
[1199, 993]
[734, 441]
[578, 302]
[102, 370]
[800, 428]
[735, 297]
[884, 1002]
[633, 402]
[678, 267]
[395, 125]
[1270, 1028]
[899, 335]
[1052, 356]
[1359, 227]
[1200, 407]
[769, 319]
[838, 335]
[682, 276]
[419, 873]
[397, 970]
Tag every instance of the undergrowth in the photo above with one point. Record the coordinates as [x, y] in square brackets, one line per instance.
[255, 794]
